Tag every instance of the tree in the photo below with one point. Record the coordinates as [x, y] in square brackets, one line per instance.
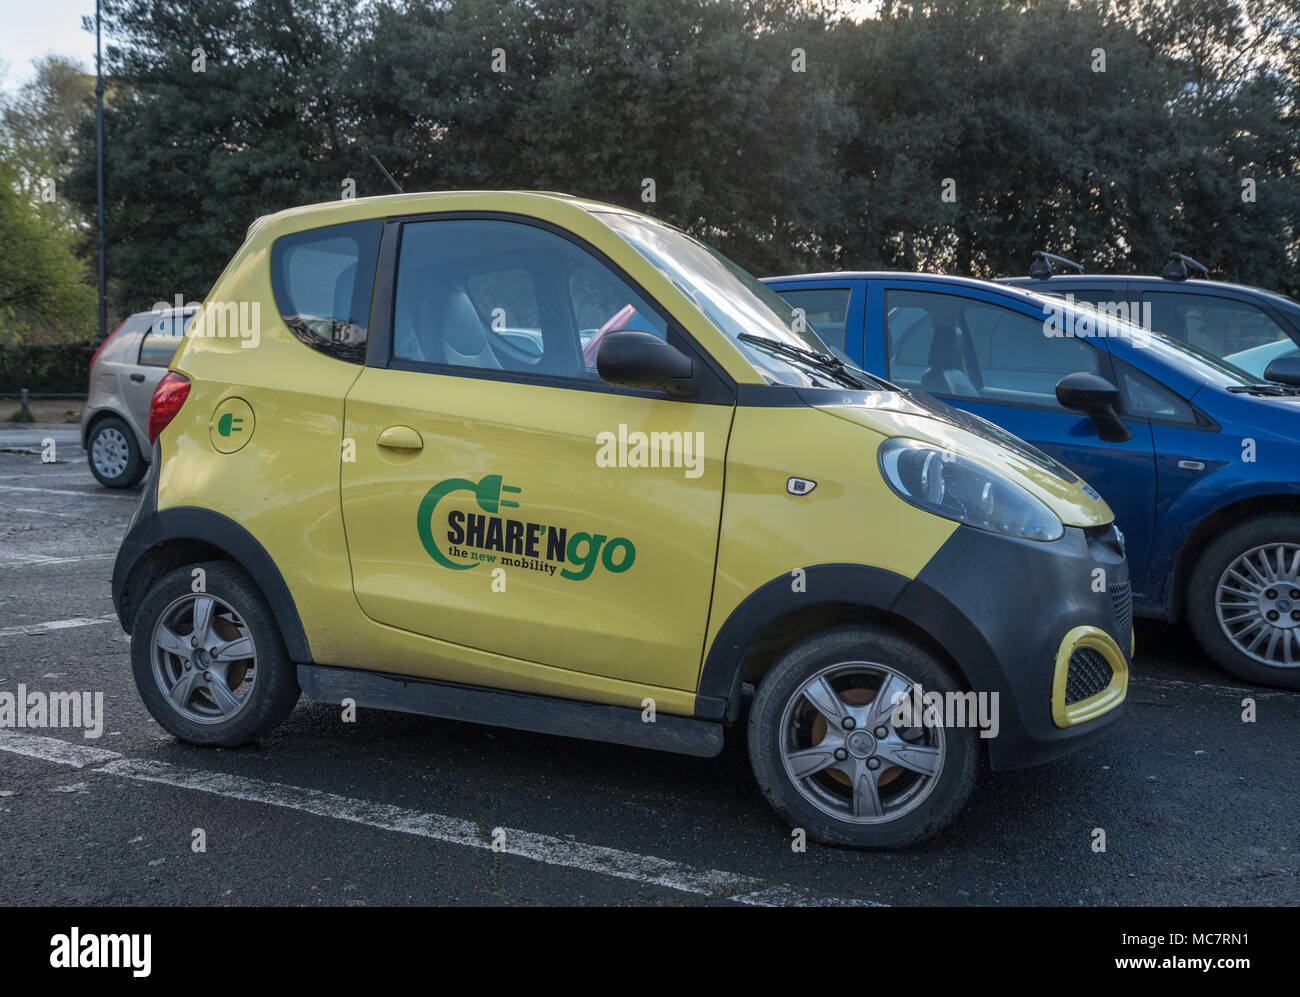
[43, 291]
[221, 111]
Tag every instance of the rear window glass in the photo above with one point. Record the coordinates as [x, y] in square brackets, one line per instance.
[160, 343]
[323, 280]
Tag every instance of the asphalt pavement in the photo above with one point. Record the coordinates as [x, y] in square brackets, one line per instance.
[1198, 806]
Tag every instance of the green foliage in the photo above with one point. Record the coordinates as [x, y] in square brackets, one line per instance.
[45, 368]
[842, 165]
[43, 290]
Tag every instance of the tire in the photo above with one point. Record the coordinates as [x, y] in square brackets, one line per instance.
[1238, 580]
[114, 455]
[211, 712]
[851, 658]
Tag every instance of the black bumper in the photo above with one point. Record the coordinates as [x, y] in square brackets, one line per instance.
[1002, 606]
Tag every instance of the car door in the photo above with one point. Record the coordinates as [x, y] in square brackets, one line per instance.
[832, 308]
[979, 352]
[502, 496]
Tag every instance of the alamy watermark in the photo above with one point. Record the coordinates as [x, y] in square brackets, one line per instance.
[919, 708]
[638, 449]
[1098, 320]
[53, 710]
[240, 320]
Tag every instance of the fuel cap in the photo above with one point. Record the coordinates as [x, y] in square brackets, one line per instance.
[231, 426]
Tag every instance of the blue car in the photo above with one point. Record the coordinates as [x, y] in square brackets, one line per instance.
[1247, 326]
[1199, 460]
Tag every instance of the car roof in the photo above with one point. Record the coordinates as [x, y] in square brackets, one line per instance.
[417, 202]
[1146, 280]
[974, 283]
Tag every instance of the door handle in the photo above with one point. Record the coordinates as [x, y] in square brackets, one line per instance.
[137, 378]
[401, 438]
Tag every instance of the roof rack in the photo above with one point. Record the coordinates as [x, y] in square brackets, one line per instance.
[1176, 268]
[1041, 268]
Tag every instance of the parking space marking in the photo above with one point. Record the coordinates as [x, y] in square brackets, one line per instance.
[647, 869]
[102, 493]
[47, 512]
[37, 629]
[1258, 693]
[36, 561]
[54, 749]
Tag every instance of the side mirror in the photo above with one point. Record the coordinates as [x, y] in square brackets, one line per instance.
[643, 360]
[1284, 370]
[1098, 398]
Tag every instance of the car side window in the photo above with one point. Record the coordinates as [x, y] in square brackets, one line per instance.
[1219, 326]
[826, 310]
[159, 344]
[1146, 398]
[976, 349]
[495, 295]
[322, 280]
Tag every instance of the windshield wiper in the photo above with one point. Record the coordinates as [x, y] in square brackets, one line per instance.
[823, 361]
[1284, 390]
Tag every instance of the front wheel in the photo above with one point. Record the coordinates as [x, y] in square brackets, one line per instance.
[829, 756]
[1243, 600]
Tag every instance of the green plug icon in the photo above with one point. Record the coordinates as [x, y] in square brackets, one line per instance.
[228, 424]
[488, 492]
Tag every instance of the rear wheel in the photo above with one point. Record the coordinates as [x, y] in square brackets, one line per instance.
[114, 455]
[211, 666]
[829, 757]
[1243, 600]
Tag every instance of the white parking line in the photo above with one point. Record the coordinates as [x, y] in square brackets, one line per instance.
[1140, 683]
[102, 493]
[53, 749]
[545, 848]
[34, 560]
[36, 629]
[47, 512]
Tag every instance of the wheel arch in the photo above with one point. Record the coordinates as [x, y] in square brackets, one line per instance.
[161, 541]
[146, 453]
[779, 614]
[1205, 532]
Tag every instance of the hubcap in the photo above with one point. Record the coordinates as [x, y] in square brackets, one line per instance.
[110, 453]
[843, 753]
[1258, 604]
[204, 660]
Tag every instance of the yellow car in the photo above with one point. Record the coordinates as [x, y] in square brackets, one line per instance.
[527, 460]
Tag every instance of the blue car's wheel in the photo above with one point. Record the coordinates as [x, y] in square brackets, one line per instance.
[1244, 600]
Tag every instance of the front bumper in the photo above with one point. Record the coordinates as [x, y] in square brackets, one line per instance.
[1047, 626]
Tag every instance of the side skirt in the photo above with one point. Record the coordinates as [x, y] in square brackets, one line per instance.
[522, 711]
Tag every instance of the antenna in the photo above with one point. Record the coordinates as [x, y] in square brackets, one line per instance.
[386, 174]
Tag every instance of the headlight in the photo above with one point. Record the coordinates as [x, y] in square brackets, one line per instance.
[956, 487]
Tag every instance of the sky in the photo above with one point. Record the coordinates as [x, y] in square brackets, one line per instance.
[32, 28]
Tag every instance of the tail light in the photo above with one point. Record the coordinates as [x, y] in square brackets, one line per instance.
[168, 398]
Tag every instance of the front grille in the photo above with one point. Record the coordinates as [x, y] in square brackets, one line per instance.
[1089, 673]
[1121, 599]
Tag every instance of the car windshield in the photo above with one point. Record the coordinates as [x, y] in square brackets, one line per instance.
[766, 330]
[1194, 361]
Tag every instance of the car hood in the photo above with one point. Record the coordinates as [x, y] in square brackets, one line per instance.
[918, 416]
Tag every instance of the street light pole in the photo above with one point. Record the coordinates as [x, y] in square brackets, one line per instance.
[99, 176]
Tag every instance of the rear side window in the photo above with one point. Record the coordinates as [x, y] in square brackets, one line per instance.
[1220, 326]
[161, 341]
[323, 280]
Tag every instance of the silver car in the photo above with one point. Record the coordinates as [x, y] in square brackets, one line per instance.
[123, 374]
